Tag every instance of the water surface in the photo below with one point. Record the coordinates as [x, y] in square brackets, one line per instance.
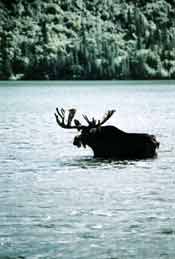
[56, 201]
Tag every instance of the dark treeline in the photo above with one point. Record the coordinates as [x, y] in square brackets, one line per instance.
[87, 39]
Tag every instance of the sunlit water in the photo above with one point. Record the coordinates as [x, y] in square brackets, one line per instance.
[56, 201]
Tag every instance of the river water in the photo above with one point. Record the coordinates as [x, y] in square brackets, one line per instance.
[56, 201]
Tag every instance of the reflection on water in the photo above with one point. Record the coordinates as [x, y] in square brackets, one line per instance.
[90, 162]
[57, 201]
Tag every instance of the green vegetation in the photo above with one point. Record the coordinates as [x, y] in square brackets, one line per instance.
[87, 39]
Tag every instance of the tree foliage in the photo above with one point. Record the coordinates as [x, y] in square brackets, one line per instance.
[92, 39]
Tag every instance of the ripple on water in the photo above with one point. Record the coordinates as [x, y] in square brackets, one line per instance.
[46, 225]
[11, 257]
[102, 213]
[168, 231]
[88, 162]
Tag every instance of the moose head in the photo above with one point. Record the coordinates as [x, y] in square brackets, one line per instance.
[107, 141]
[87, 132]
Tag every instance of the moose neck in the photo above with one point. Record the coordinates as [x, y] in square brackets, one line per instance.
[105, 141]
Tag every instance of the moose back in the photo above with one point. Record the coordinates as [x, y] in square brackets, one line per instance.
[108, 141]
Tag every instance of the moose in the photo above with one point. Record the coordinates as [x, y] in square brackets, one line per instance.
[108, 141]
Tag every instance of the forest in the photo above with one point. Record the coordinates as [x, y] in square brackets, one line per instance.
[87, 39]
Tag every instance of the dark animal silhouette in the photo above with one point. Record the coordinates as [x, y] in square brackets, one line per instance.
[108, 141]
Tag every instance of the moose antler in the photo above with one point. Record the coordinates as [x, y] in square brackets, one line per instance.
[106, 117]
[94, 123]
[60, 119]
[61, 114]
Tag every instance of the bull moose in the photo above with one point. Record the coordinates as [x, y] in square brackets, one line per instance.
[108, 141]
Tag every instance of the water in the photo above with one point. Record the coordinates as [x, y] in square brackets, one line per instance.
[56, 201]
